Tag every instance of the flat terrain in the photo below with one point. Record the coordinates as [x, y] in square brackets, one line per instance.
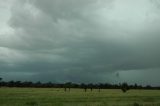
[77, 97]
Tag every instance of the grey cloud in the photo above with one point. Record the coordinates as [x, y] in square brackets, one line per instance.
[80, 40]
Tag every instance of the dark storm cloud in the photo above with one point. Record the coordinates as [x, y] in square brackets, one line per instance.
[80, 40]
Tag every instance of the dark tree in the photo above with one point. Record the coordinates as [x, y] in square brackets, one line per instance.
[90, 86]
[148, 87]
[124, 87]
[38, 84]
[91, 89]
[67, 85]
[135, 86]
[85, 89]
[84, 86]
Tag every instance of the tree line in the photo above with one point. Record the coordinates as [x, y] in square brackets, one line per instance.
[67, 86]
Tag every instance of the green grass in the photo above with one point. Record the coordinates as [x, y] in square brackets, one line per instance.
[77, 97]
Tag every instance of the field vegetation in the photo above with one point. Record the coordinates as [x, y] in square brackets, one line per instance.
[77, 97]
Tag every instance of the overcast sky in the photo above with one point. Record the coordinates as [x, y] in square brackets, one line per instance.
[87, 41]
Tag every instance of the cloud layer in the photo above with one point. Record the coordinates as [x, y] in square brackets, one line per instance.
[80, 40]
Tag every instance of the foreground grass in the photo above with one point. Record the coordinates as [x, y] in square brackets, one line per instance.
[77, 97]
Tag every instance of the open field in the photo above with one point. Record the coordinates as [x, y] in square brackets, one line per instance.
[77, 97]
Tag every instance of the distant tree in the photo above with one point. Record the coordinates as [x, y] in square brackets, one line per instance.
[135, 86]
[84, 86]
[48, 85]
[11, 83]
[67, 85]
[0, 82]
[18, 84]
[90, 86]
[124, 87]
[38, 84]
[30, 84]
[148, 87]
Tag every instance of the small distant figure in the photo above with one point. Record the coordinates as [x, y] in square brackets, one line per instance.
[91, 89]
[85, 89]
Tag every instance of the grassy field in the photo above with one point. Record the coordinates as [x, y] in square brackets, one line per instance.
[77, 97]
